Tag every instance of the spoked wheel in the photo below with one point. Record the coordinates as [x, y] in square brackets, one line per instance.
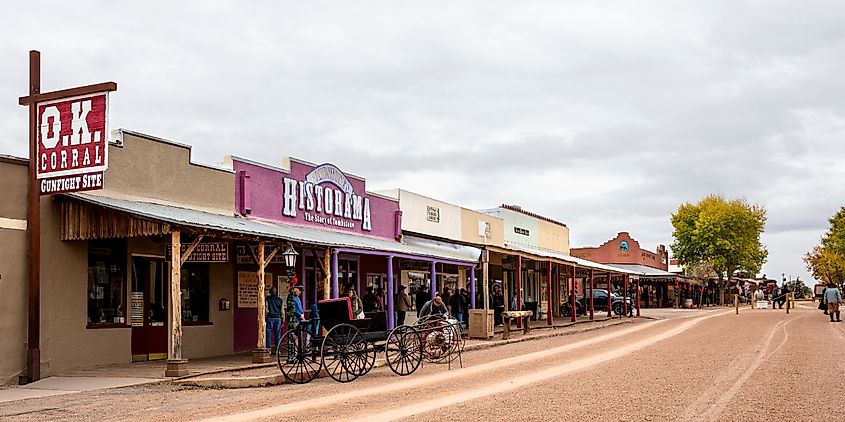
[344, 353]
[403, 350]
[441, 342]
[297, 359]
[368, 358]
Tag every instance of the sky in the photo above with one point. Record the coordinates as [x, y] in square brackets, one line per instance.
[603, 115]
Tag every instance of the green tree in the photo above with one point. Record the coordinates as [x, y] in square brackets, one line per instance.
[834, 239]
[724, 234]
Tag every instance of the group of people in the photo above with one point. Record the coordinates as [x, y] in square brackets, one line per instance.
[831, 298]
[293, 312]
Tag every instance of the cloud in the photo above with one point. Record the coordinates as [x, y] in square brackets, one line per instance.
[605, 116]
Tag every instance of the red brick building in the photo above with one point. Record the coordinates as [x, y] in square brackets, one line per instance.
[659, 288]
[624, 249]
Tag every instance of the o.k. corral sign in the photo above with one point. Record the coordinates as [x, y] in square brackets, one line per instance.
[72, 138]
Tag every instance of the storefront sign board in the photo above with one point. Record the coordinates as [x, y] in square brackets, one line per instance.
[212, 252]
[72, 140]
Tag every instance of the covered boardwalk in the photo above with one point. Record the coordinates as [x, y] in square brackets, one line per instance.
[553, 280]
[87, 216]
[660, 289]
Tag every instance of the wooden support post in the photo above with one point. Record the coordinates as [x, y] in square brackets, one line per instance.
[572, 301]
[327, 272]
[176, 366]
[609, 303]
[261, 354]
[736, 303]
[549, 318]
[625, 295]
[637, 304]
[592, 299]
[517, 287]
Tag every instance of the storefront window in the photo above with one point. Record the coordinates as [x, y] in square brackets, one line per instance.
[348, 273]
[194, 285]
[106, 282]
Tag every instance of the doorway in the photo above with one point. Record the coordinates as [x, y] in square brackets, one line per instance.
[149, 308]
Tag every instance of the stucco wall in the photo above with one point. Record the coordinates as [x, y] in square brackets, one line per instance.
[515, 221]
[13, 303]
[66, 343]
[415, 216]
[470, 230]
[13, 272]
[553, 236]
[149, 168]
[217, 339]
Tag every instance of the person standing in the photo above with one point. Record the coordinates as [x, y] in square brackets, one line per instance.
[497, 302]
[446, 295]
[832, 296]
[458, 305]
[403, 304]
[273, 332]
[370, 300]
[355, 302]
[421, 298]
[295, 315]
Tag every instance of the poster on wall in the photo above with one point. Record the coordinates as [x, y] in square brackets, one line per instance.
[136, 312]
[248, 288]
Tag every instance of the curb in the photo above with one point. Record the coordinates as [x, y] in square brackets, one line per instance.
[266, 381]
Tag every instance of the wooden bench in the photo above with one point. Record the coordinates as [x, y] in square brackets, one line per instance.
[509, 316]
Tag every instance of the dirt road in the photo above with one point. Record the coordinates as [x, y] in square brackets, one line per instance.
[713, 365]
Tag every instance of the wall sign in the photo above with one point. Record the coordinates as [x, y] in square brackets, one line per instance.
[206, 252]
[72, 135]
[326, 196]
[432, 214]
[623, 246]
[248, 288]
[520, 230]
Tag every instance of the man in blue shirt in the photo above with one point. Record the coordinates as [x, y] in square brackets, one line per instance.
[273, 331]
[295, 315]
[833, 297]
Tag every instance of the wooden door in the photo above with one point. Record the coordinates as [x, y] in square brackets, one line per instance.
[149, 292]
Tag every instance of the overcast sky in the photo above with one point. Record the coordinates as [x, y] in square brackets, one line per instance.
[603, 115]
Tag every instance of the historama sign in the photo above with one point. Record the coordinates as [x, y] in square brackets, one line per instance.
[72, 143]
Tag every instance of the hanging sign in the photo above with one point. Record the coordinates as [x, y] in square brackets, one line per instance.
[72, 137]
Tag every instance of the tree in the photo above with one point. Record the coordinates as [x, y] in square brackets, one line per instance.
[834, 239]
[724, 234]
[825, 265]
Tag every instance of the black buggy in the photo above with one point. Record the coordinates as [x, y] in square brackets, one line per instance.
[349, 348]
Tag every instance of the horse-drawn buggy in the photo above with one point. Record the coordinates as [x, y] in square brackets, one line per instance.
[350, 346]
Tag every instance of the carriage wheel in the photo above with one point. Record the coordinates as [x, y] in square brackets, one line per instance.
[367, 358]
[437, 341]
[297, 360]
[403, 350]
[343, 353]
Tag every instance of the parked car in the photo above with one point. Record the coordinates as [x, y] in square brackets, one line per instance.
[599, 303]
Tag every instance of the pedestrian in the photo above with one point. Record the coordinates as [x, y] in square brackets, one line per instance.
[446, 295]
[458, 305]
[434, 307]
[497, 302]
[370, 300]
[403, 304]
[832, 296]
[380, 299]
[421, 298]
[295, 315]
[355, 302]
[273, 332]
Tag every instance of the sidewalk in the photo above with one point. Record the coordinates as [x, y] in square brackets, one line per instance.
[238, 371]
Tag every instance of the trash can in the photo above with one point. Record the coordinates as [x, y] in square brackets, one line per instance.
[479, 325]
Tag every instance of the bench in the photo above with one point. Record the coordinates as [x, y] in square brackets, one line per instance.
[509, 316]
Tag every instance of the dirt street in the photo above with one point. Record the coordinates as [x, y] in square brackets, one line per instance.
[708, 365]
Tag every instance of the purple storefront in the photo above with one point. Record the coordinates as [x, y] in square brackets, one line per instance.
[346, 237]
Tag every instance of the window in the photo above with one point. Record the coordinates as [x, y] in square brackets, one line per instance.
[194, 285]
[348, 274]
[106, 282]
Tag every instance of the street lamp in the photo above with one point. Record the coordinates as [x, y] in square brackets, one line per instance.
[290, 257]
